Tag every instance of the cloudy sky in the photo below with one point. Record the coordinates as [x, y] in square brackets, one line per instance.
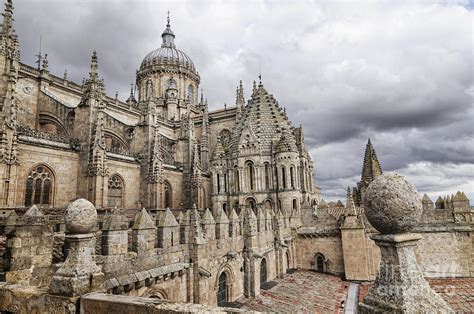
[399, 72]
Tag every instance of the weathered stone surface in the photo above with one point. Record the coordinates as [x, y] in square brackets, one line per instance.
[81, 217]
[392, 204]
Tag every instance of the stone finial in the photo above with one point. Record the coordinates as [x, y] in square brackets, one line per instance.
[393, 207]
[392, 204]
[81, 217]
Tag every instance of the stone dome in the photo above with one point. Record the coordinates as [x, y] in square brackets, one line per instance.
[167, 54]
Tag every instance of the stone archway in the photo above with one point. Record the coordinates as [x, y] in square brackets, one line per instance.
[263, 271]
[155, 293]
[224, 285]
[222, 290]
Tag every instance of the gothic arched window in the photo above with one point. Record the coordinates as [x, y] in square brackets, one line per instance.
[39, 187]
[295, 204]
[168, 195]
[114, 193]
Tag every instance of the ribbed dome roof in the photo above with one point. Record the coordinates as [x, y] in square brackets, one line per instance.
[167, 54]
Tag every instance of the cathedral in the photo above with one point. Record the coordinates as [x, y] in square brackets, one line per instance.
[183, 203]
[161, 148]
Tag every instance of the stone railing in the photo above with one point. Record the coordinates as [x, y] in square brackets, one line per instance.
[123, 152]
[41, 135]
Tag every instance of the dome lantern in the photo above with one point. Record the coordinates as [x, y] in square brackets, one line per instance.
[168, 35]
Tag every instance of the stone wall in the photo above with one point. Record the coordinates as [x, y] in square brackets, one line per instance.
[64, 165]
[329, 246]
[446, 254]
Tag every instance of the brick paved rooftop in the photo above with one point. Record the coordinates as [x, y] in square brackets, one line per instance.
[303, 291]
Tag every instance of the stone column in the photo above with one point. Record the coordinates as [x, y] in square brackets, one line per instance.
[393, 207]
[79, 274]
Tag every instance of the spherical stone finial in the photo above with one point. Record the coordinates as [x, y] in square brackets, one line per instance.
[81, 217]
[392, 204]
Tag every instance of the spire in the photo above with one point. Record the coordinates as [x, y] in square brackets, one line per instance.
[350, 206]
[371, 168]
[45, 62]
[168, 35]
[7, 26]
[254, 88]
[239, 97]
[94, 66]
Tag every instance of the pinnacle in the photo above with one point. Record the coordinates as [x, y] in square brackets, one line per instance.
[371, 167]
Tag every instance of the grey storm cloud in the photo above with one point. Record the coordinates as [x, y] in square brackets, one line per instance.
[398, 72]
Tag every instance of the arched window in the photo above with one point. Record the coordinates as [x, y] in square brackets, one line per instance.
[218, 183]
[267, 176]
[251, 175]
[224, 208]
[263, 272]
[168, 195]
[319, 263]
[222, 290]
[225, 139]
[39, 187]
[191, 94]
[225, 182]
[251, 204]
[237, 179]
[287, 261]
[114, 193]
[295, 204]
[268, 204]
[292, 177]
[283, 177]
[280, 206]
